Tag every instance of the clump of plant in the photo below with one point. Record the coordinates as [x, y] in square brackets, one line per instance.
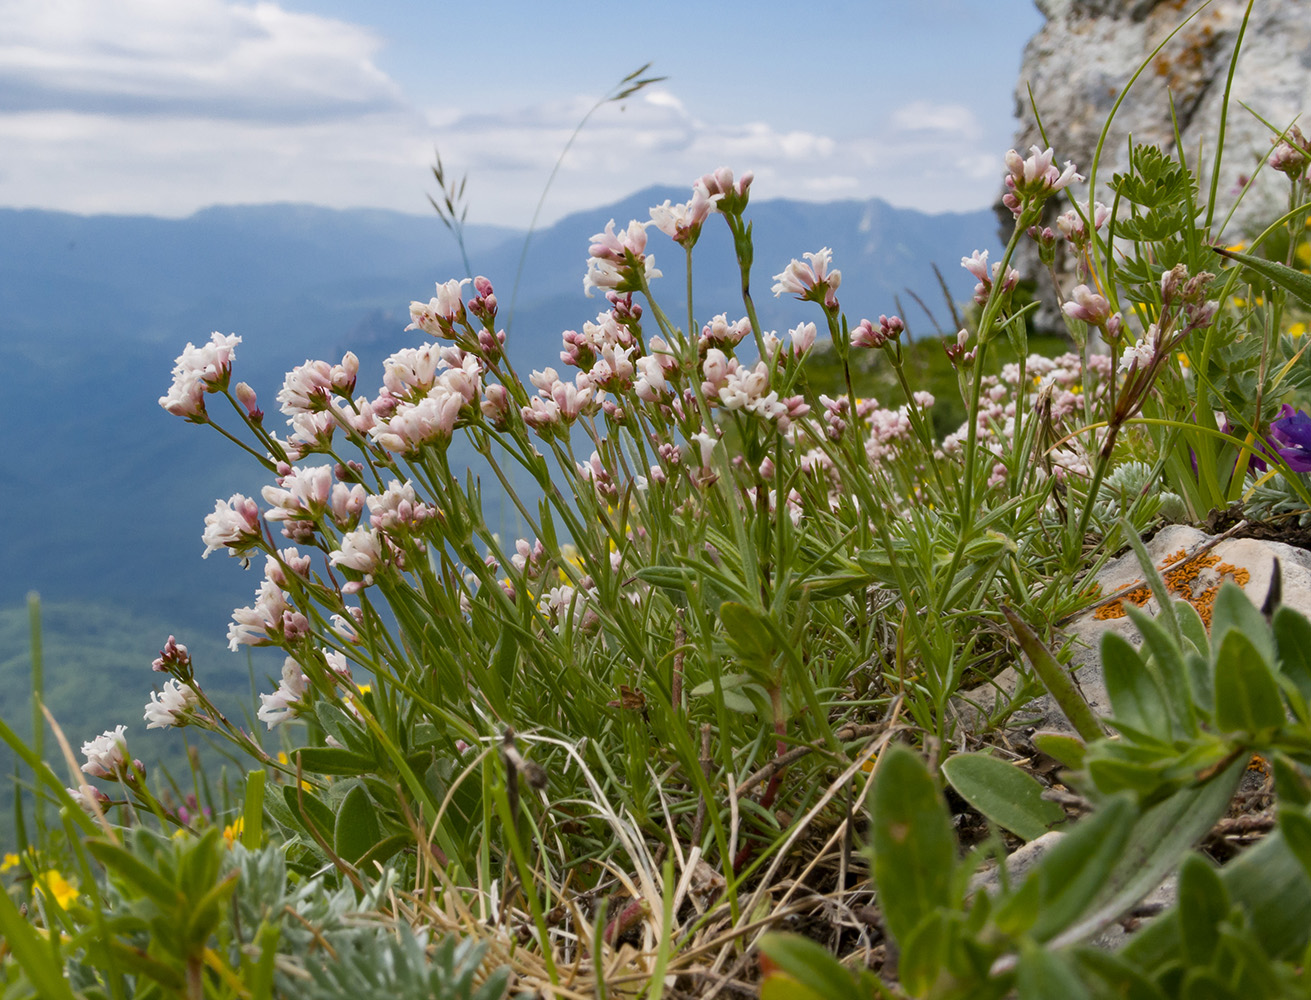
[621, 743]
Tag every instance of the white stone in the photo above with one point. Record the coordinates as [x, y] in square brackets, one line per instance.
[1256, 557]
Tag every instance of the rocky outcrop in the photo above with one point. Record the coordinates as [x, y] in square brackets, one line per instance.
[1082, 60]
[1194, 566]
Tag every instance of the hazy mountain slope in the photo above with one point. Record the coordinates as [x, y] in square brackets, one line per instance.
[105, 493]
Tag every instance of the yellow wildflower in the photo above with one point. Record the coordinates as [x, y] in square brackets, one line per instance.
[1297, 329]
[10, 861]
[232, 832]
[58, 888]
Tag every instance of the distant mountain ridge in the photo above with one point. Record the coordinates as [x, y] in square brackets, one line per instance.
[106, 493]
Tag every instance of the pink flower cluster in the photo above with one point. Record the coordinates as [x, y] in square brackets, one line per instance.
[199, 370]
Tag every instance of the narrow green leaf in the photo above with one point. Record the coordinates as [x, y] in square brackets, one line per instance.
[1002, 792]
[133, 870]
[810, 965]
[252, 816]
[356, 830]
[258, 975]
[128, 957]
[1203, 904]
[206, 910]
[914, 848]
[1154, 580]
[32, 953]
[1055, 678]
[1247, 696]
[1292, 281]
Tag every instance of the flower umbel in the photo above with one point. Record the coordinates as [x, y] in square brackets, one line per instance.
[810, 282]
[106, 755]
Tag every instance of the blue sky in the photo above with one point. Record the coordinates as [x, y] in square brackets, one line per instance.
[164, 106]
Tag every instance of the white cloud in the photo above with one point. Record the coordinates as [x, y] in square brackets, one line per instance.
[203, 57]
[163, 107]
[953, 120]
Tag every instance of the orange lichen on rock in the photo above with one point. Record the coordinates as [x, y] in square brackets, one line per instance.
[1196, 580]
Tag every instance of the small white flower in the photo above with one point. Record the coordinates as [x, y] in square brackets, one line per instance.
[170, 706]
[282, 703]
[106, 755]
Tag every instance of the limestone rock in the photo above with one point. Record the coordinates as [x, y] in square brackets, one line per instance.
[1193, 572]
[1082, 59]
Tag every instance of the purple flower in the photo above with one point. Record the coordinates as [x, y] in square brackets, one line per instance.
[1292, 438]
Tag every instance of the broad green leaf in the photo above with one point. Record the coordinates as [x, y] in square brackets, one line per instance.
[924, 954]
[1202, 681]
[1292, 783]
[1203, 904]
[1166, 664]
[914, 848]
[385, 848]
[1114, 774]
[731, 687]
[1269, 883]
[341, 727]
[1205, 984]
[1247, 696]
[308, 809]
[1068, 750]
[1121, 978]
[1044, 974]
[1293, 641]
[1192, 627]
[810, 966]
[748, 633]
[1137, 700]
[1071, 873]
[356, 831]
[675, 579]
[1158, 839]
[335, 760]
[1002, 792]
[1292, 281]
[1295, 825]
[1233, 610]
